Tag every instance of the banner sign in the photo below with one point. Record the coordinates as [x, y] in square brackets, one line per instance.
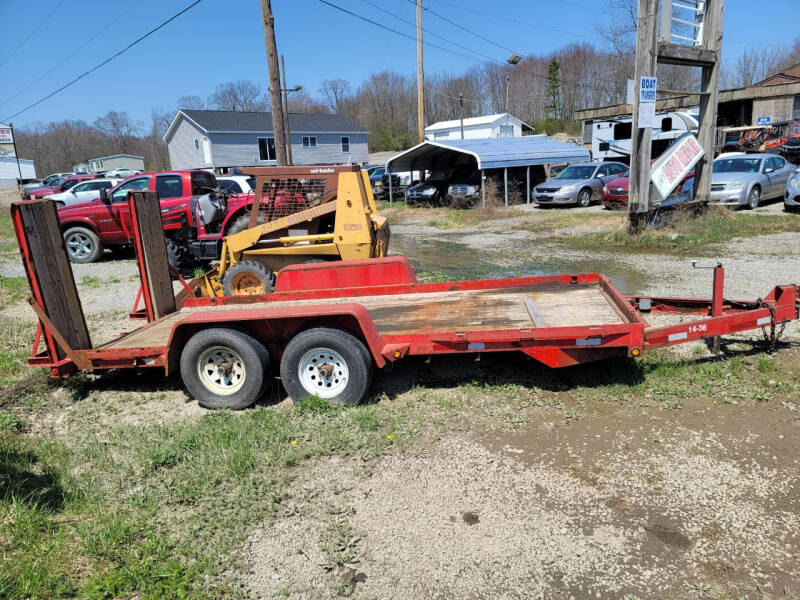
[672, 166]
[6, 142]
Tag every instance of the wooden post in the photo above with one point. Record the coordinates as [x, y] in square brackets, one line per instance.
[274, 83]
[287, 132]
[709, 97]
[420, 78]
[641, 139]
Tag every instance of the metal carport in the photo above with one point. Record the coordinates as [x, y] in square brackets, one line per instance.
[489, 153]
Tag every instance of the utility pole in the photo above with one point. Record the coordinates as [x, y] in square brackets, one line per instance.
[274, 83]
[642, 138]
[461, 102]
[288, 139]
[508, 80]
[420, 78]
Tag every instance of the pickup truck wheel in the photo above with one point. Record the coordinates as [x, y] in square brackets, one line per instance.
[329, 363]
[83, 245]
[248, 278]
[224, 368]
[239, 224]
[585, 197]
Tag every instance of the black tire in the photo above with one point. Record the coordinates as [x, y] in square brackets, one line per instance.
[83, 245]
[300, 351]
[179, 257]
[584, 198]
[314, 261]
[203, 362]
[239, 224]
[235, 279]
[754, 197]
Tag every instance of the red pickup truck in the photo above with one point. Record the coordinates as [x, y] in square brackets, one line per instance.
[195, 214]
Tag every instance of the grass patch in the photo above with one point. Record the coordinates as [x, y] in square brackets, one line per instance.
[17, 338]
[13, 290]
[690, 236]
[159, 511]
[8, 240]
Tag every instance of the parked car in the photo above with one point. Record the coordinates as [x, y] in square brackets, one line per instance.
[615, 192]
[236, 184]
[791, 195]
[121, 173]
[578, 184]
[433, 191]
[64, 185]
[745, 181]
[49, 181]
[465, 192]
[86, 191]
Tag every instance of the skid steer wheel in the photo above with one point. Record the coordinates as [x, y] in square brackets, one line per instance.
[224, 368]
[248, 278]
[239, 224]
[329, 363]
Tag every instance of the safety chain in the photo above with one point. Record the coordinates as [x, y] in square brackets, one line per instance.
[771, 339]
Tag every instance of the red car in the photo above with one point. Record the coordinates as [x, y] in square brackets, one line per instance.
[195, 216]
[615, 192]
[62, 186]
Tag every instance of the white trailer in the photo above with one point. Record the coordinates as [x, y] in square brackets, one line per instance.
[611, 139]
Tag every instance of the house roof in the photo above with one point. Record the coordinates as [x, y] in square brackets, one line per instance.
[230, 121]
[490, 153]
[790, 74]
[484, 120]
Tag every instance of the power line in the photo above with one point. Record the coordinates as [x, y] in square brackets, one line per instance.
[106, 61]
[400, 33]
[30, 35]
[469, 31]
[88, 41]
[428, 32]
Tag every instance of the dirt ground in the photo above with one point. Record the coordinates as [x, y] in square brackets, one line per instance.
[521, 488]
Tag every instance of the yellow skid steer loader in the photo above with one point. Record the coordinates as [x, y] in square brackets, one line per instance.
[299, 215]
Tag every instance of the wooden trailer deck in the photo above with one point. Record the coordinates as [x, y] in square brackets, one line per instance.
[434, 312]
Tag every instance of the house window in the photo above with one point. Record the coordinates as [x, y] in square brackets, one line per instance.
[266, 148]
[796, 108]
[196, 144]
[309, 141]
[345, 144]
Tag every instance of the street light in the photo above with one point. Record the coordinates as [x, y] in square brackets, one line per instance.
[513, 60]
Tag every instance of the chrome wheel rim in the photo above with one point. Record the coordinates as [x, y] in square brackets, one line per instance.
[323, 372]
[755, 196]
[221, 370]
[79, 245]
[584, 198]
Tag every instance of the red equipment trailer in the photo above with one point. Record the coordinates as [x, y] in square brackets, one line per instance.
[329, 324]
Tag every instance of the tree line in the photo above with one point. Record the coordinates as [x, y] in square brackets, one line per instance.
[542, 90]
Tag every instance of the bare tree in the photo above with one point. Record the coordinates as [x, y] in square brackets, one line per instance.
[158, 156]
[238, 95]
[301, 102]
[119, 127]
[191, 103]
[335, 93]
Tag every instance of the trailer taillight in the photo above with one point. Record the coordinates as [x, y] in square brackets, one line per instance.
[635, 352]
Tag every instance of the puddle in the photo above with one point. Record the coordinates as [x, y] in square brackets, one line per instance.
[442, 259]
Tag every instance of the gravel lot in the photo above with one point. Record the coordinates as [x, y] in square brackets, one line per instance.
[520, 489]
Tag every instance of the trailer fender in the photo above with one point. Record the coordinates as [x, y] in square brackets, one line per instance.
[269, 323]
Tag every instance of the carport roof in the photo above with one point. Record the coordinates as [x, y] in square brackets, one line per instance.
[490, 153]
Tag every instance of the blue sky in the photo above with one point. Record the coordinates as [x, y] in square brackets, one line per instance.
[222, 40]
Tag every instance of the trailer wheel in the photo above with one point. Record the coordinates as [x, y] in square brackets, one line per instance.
[329, 363]
[224, 368]
[83, 245]
[248, 278]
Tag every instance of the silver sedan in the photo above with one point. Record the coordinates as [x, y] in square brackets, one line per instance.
[578, 184]
[747, 180]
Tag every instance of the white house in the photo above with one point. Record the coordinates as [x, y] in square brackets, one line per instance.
[489, 126]
[219, 139]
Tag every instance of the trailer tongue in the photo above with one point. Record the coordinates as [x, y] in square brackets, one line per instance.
[328, 325]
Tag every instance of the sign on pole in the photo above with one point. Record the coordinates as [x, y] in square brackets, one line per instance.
[671, 167]
[647, 102]
[6, 142]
